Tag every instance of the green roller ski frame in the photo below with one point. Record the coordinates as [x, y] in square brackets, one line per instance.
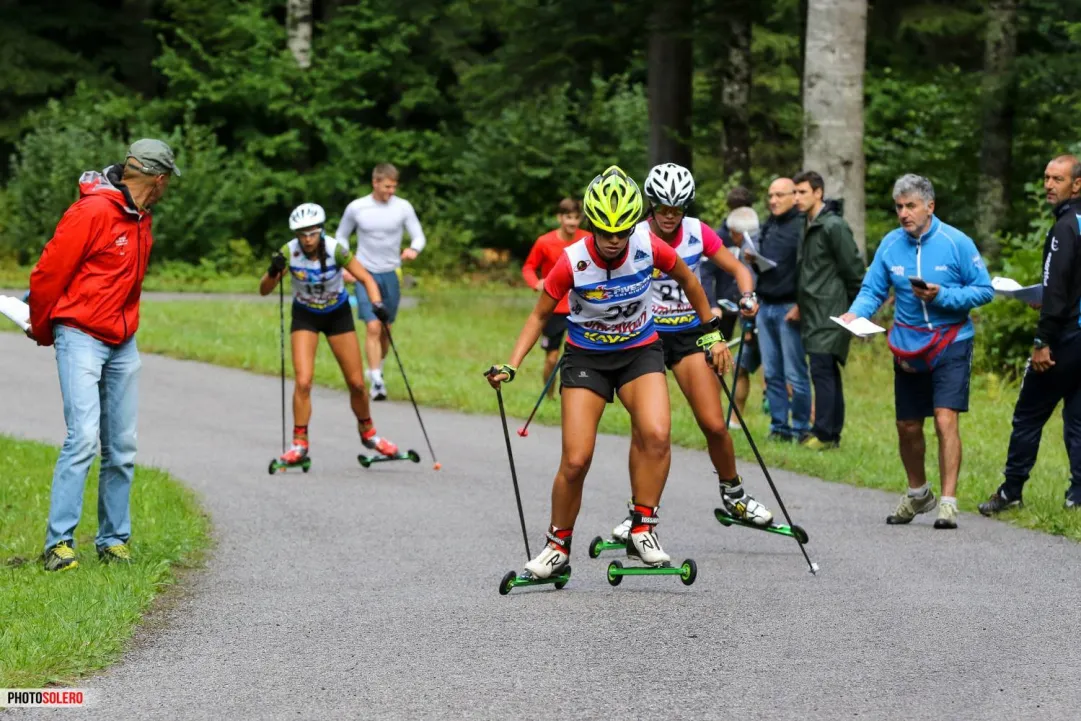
[796, 532]
[599, 545]
[409, 455]
[277, 466]
[687, 571]
[513, 579]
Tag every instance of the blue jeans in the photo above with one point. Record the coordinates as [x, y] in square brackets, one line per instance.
[783, 361]
[99, 383]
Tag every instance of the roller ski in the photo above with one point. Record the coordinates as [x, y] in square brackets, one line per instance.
[295, 457]
[616, 542]
[642, 545]
[385, 451]
[551, 566]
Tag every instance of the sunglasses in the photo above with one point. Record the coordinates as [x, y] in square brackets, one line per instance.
[622, 235]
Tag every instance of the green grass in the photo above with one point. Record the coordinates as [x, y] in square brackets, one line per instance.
[178, 278]
[55, 627]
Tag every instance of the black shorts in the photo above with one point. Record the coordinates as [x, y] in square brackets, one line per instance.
[679, 345]
[605, 372]
[336, 322]
[554, 328]
[917, 395]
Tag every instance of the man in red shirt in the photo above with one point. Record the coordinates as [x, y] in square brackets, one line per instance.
[546, 250]
[84, 297]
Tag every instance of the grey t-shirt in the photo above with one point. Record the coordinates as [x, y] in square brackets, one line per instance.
[379, 229]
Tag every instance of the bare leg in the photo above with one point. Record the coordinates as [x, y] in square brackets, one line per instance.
[702, 390]
[646, 399]
[347, 352]
[373, 344]
[948, 427]
[913, 449]
[743, 389]
[582, 411]
[304, 344]
[550, 359]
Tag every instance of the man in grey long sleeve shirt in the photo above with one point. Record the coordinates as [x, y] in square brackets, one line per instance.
[378, 220]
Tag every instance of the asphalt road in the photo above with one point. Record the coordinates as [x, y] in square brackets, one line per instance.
[351, 593]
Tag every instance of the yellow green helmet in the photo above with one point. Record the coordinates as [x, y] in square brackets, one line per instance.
[613, 202]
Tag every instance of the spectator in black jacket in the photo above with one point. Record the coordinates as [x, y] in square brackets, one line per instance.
[783, 358]
[1054, 371]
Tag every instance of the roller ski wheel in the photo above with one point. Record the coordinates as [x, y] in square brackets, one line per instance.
[599, 545]
[409, 455]
[797, 532]
[687, 571]
[514, 579]
[279, 466]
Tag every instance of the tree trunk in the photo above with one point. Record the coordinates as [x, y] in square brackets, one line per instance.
[298, 28]
[736, 94]
[1000, 49]
[833, 103]
[670, 56]
[142, 48]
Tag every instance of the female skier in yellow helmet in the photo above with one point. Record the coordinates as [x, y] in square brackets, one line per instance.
[612, 348]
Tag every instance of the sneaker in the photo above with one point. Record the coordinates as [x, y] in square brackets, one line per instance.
[744, 507]
[120, 553]
[644, 544]
[552, 559]
[623, 531]
[61, 557]
[910, 507]
[379, 391]
[947, 516]
[999, 502]
[1073, 498]
[814, 443]
[380, 445]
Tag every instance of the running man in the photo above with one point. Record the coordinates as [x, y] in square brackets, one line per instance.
[379, 219]
[546, 252]
[612, 348]
[317, 263]
[669, 188]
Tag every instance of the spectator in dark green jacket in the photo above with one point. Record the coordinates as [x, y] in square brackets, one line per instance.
[830, 273]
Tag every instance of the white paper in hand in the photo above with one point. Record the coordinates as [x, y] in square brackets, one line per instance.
[16, 310]
[763, 263]
[1009, 288]
[860, 327]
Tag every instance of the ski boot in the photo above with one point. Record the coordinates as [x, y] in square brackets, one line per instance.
[617, 541]
[297, 456]
[644, 546]
[741, 509]
[552, 565]
[387, 451]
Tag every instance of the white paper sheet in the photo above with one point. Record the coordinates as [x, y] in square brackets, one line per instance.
[1010, 288]
[860, 327]
[763, 263]
[16, 310]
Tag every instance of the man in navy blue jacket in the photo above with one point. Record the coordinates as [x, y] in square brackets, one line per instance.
[1054, 372]
[937, 277]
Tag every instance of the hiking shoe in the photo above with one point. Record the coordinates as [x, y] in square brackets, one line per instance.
[910, 507]
[813, 443]
[947, 516]
[999, 502]
[61, 557]
[120, 553]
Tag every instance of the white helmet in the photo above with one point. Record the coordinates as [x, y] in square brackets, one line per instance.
[306, 216]
[669, 184]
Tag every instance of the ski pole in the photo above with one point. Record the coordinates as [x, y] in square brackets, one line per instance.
[524, 430]
[437, 465]
[745, 328]
[813, 567]
[510, 457]
[281, 338]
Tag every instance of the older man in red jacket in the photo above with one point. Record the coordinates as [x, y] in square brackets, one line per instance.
[84, 297]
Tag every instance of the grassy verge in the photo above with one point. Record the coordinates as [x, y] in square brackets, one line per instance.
[58, 626]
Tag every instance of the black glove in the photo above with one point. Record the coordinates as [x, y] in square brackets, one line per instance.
[380, 311]
[277, 265]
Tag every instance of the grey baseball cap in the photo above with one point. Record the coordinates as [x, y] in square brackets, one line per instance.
[154, 155]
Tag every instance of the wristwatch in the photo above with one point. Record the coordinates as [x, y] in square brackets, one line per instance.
[1039, 344]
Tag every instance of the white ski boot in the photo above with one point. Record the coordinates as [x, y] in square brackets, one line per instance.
[644, 545]
[553, 558]
[738, 503]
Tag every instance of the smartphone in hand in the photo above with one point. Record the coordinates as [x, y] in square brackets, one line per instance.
[917, 282]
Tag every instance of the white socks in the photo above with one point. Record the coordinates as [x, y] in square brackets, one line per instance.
[949, 501]
[918, 492]
[376, 375]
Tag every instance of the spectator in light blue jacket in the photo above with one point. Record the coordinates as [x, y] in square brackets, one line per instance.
[937, 277]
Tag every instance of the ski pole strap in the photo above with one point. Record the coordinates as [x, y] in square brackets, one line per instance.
[710, 339]
[504, 368]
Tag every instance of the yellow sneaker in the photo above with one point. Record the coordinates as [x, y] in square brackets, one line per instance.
[812, 443]
[120, 553]
[61, 557]
[947, 516]
[911, 506]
